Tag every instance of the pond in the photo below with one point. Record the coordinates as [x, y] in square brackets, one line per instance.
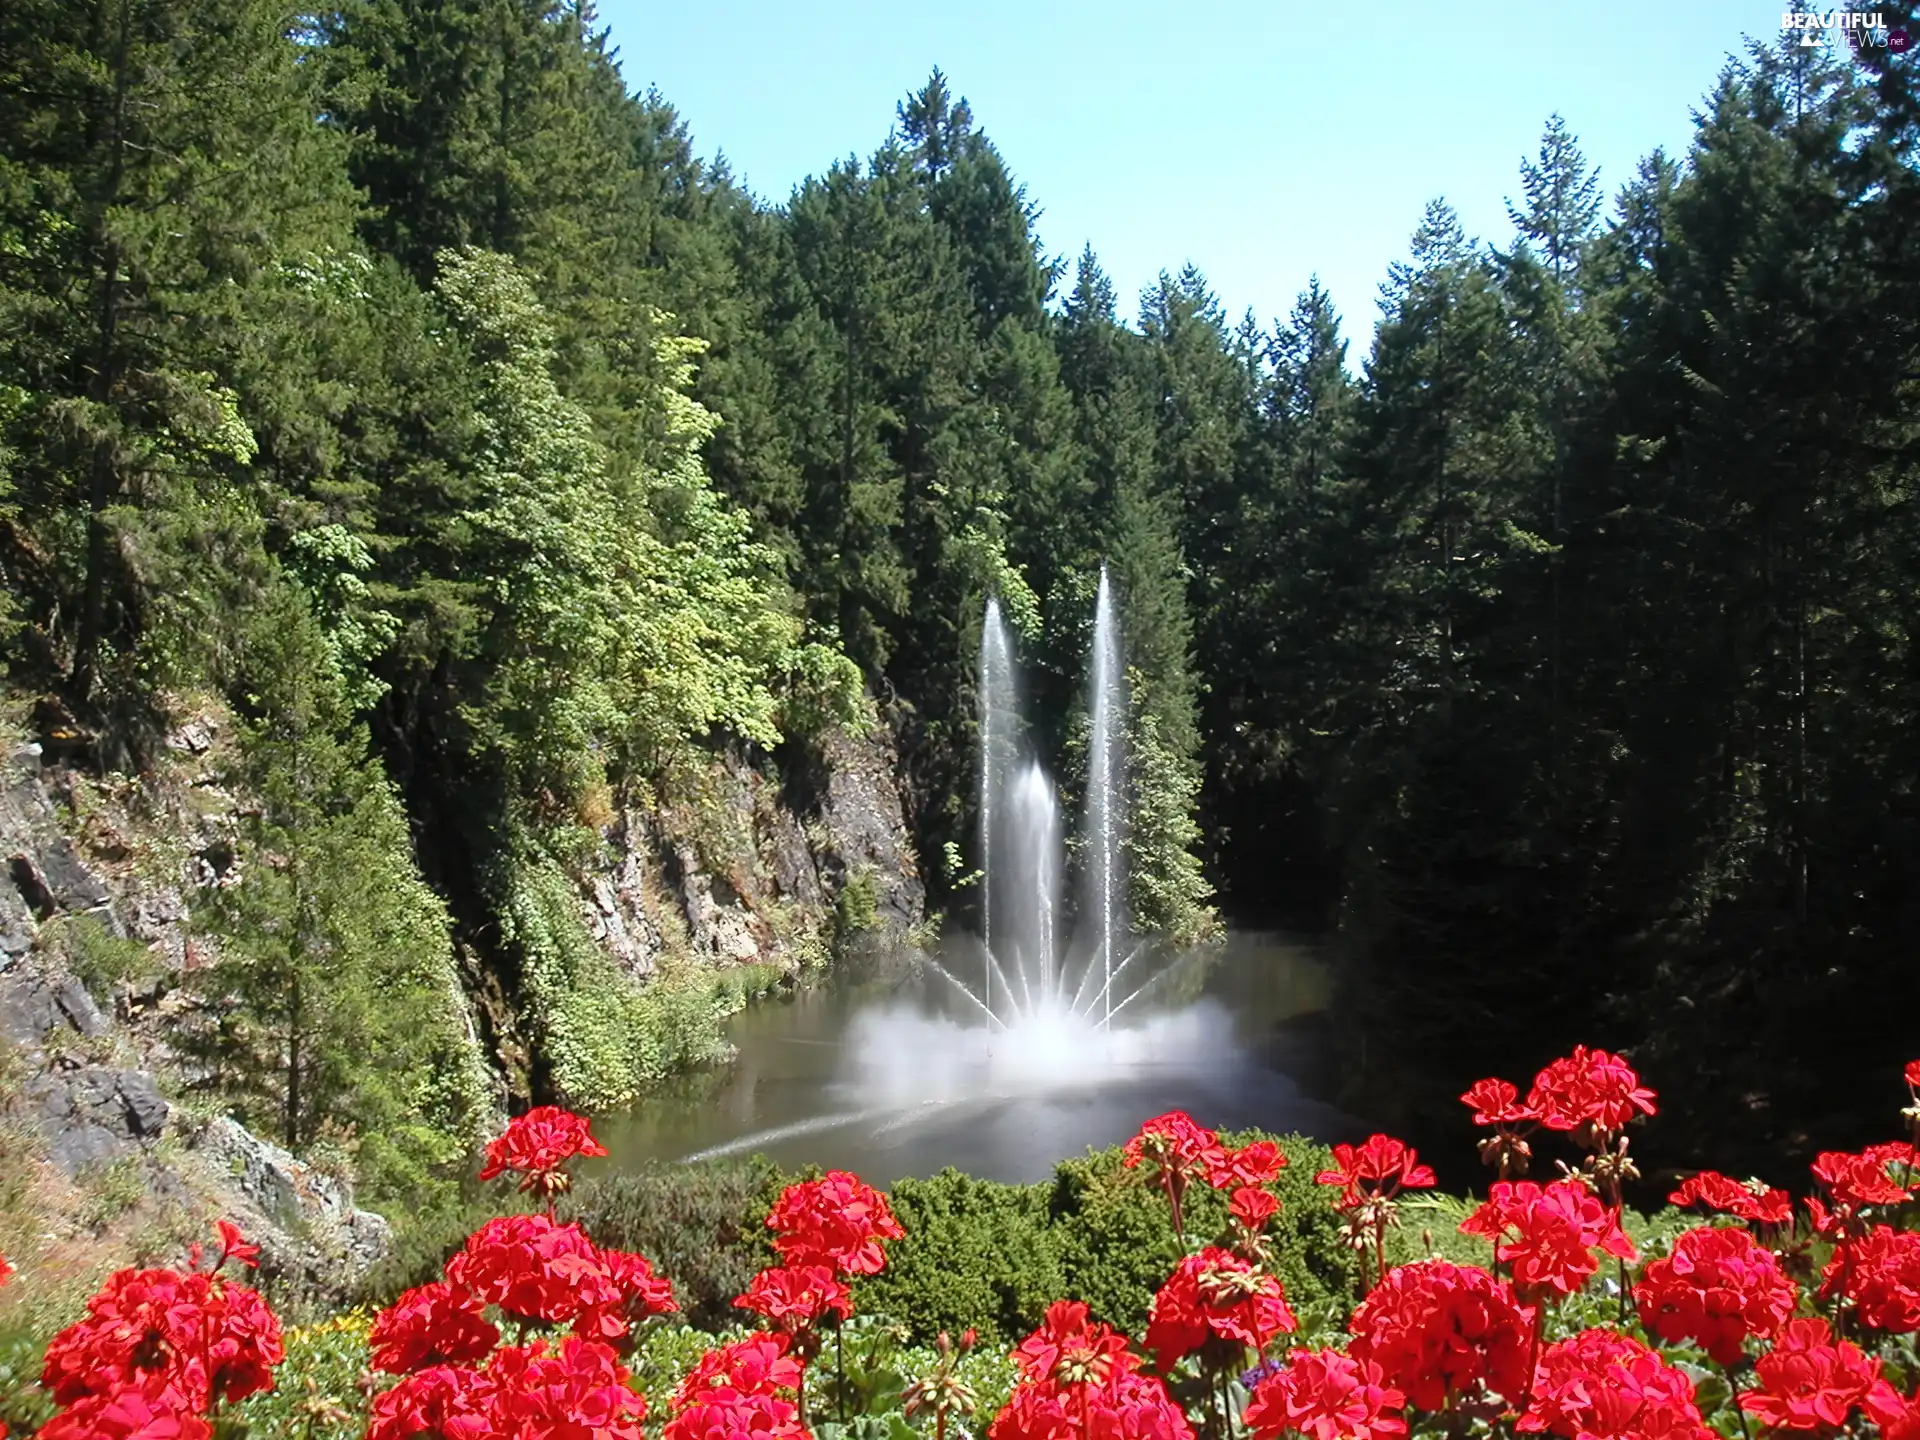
[888, 1070]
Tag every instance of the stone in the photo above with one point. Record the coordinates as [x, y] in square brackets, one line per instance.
[94, 1115]
[36, 1006]
[293, 1196]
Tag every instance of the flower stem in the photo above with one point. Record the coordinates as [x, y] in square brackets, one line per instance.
[1733, 1396]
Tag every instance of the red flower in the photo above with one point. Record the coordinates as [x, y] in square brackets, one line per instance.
[1548, 1234]
[1810, 1382]
[129, 1414]
[1913, 1077]
[1252, 1207]
[1496, 1102]
[538, 1145]
[730, 1415]
[578, 1392]
[6, 1270]
[1589, 1087]
[1178, 1149]
[757, 1365]
[1328, 1396]
[1129, 1406]
[1379, 1169]
[837, 1221]
[1257, 1164]
[1601, 1385]
[532, 1266]
[1905, 1425]
[1728, 1196]
[642, 1293]
[793, 1297]
[1880, 1274]
[1716, 1288]
[442, 1401]
[1215, 1293]
[1856, 1181]
[160, 1330]
[1069, 1350]
[430, 1325]
[1440, 1331]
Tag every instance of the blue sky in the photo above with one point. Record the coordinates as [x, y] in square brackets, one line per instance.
[1264, 142]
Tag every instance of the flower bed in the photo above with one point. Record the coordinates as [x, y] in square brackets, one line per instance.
[1763, 1319]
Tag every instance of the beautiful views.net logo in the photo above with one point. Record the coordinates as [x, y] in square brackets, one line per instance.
[1855, 29]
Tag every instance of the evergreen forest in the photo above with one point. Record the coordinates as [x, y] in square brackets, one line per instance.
[1550, 639]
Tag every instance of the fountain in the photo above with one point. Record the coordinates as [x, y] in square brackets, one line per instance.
[1048, 1030]
[1027, 976]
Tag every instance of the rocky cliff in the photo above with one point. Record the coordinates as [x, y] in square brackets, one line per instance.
[125, 1154]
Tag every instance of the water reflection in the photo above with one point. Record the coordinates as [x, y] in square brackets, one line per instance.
[881, 1074]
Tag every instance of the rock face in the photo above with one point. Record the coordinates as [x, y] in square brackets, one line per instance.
[294, 1199]
[742, 869]
[85, 1088]
[95, 1115]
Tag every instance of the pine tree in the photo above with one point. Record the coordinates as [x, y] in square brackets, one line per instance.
[160, 159]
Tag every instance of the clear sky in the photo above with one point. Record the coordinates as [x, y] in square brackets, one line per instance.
[1264, 142]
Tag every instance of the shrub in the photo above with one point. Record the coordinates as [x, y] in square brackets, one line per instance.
[976, 1254]
[1116, 1248]
[704, 1225]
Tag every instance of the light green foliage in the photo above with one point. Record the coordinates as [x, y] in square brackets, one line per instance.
[605, 1035]
[99, 959]
[329, 562]
[1169, 891]
[632, 608]
[316, 1394]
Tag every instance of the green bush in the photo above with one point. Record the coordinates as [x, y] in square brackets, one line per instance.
[977, 1253]
[1116, 1246]
[703, 1226]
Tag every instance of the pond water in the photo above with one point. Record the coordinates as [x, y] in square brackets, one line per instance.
[890, 1071]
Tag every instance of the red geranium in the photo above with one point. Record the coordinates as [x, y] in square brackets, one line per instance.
[1880, 1274]
[1440, 1331]
[1854, 1182]
[1068, 1349]
[436, 1324]
[160, 1330]
[130, 1414]
[1328, 1396]
[793, 1297]
[1589, 1087]
[577, 1392]
[537, 1147]
[757, 1365]
[1548, 1235]
[1810, 1382]
[1215, 1293]
[1719, 1192]
[1252, 1207]
[1601, 1385]
[1716, 1288]
[1379, 1169]
[1257, 1164]
[1128, 1406]
[732, 1415]
[642, 1293]
[533, 1266]
[1905, 1425]
[1496, 1102]
[837, 1221]
[445, 1401]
